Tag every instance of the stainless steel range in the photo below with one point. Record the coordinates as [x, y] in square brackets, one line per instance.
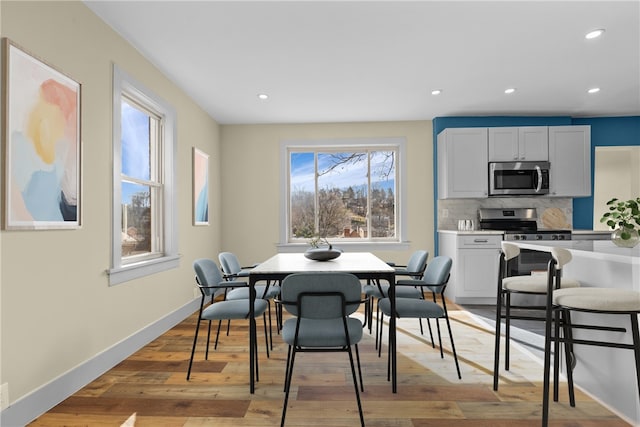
[518, 224]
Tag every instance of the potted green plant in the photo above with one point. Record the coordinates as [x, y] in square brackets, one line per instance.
[624, 218]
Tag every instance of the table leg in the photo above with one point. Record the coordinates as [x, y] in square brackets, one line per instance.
[252, 334]
[392, 333]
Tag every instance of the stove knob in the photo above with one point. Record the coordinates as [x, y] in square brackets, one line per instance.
[523, 237]
[554, 237]
[538, 236]
[561, 237]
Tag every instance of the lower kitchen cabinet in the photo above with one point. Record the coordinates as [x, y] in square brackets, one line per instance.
[474, 274]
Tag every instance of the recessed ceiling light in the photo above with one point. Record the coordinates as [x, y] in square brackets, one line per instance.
[436, 92]
[263, 96]
[594, 34]
[510, 90]
[594, 90]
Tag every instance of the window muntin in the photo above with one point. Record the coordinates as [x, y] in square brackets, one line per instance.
[343, 193]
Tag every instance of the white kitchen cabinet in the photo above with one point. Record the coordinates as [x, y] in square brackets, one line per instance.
[474, 273]
[570, 158]
[508, 144]
[462, 163]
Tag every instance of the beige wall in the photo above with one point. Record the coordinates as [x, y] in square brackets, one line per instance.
[57, 309]
[251, 182]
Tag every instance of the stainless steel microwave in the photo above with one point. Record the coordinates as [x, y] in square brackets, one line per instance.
[518, 178]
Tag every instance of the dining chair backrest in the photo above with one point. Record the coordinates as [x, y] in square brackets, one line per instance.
[418, 261]
[229, 262]
[307, 293]
[437, 273]
[208, 275]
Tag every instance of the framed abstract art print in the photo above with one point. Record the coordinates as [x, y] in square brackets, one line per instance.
[41, 142]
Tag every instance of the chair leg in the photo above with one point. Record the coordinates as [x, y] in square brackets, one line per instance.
[287, 385]
[193, 349]
[206, 350]
[433, 343]
[286, 369]
[496, 352]
[380, 324]
[355, 386]
[359, 367]
[439, 339]
[453, 345]
[215, 347]
[266, 335]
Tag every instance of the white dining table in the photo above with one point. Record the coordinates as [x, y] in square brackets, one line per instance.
[364, 265]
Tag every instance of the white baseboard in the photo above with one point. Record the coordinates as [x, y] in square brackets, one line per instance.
[31, 406]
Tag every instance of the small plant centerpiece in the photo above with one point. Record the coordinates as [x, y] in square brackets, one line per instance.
[321, 250]
[624, 219]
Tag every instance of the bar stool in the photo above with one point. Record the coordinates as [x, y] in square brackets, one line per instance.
[524, 285]
[560, 304]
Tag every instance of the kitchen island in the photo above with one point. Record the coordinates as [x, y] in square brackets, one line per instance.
[605, 373]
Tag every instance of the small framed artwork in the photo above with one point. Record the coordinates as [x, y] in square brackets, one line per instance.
[200, 187]
[41, 143]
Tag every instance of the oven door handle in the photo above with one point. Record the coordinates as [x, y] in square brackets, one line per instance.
[539, 186]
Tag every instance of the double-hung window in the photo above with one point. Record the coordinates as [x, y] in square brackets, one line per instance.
[144, 238]
[346, 191]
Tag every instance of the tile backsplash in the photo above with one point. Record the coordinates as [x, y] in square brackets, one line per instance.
[451, 210]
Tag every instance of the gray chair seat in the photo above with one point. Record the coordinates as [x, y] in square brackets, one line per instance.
[322, 332]
[243, 293]
[236, 309]
[412, 308]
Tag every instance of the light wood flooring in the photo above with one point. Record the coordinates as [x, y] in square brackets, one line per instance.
[152, 383]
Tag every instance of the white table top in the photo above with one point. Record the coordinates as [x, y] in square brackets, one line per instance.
[598, 249]
[349, 262]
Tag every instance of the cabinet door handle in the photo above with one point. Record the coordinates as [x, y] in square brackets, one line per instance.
[480, 240]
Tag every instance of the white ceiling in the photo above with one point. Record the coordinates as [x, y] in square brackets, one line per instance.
[352, 61]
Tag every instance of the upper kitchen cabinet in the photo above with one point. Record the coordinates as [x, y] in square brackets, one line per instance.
[570, 158]
[508, 144]
[462, 163]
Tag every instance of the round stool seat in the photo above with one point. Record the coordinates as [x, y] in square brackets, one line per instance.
[598, 299]
[535, 284]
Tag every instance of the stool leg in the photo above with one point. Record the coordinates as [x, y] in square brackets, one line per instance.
[496, 355]
[636, 345]
[507, 330]
[568, 349]
[556, 353]
[547, 362]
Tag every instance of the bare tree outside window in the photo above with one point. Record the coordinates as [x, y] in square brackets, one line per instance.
[343, 194]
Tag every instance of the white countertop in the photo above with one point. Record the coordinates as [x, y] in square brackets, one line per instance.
[600, 249]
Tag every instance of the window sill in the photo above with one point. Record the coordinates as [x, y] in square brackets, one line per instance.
[348, 246]
[142, 269]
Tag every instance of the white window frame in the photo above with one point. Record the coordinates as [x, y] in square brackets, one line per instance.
[168, 258]
[352, 144]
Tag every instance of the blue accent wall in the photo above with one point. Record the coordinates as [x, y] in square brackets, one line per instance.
[605, 131]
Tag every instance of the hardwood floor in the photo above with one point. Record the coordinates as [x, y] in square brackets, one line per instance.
[152, 383]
